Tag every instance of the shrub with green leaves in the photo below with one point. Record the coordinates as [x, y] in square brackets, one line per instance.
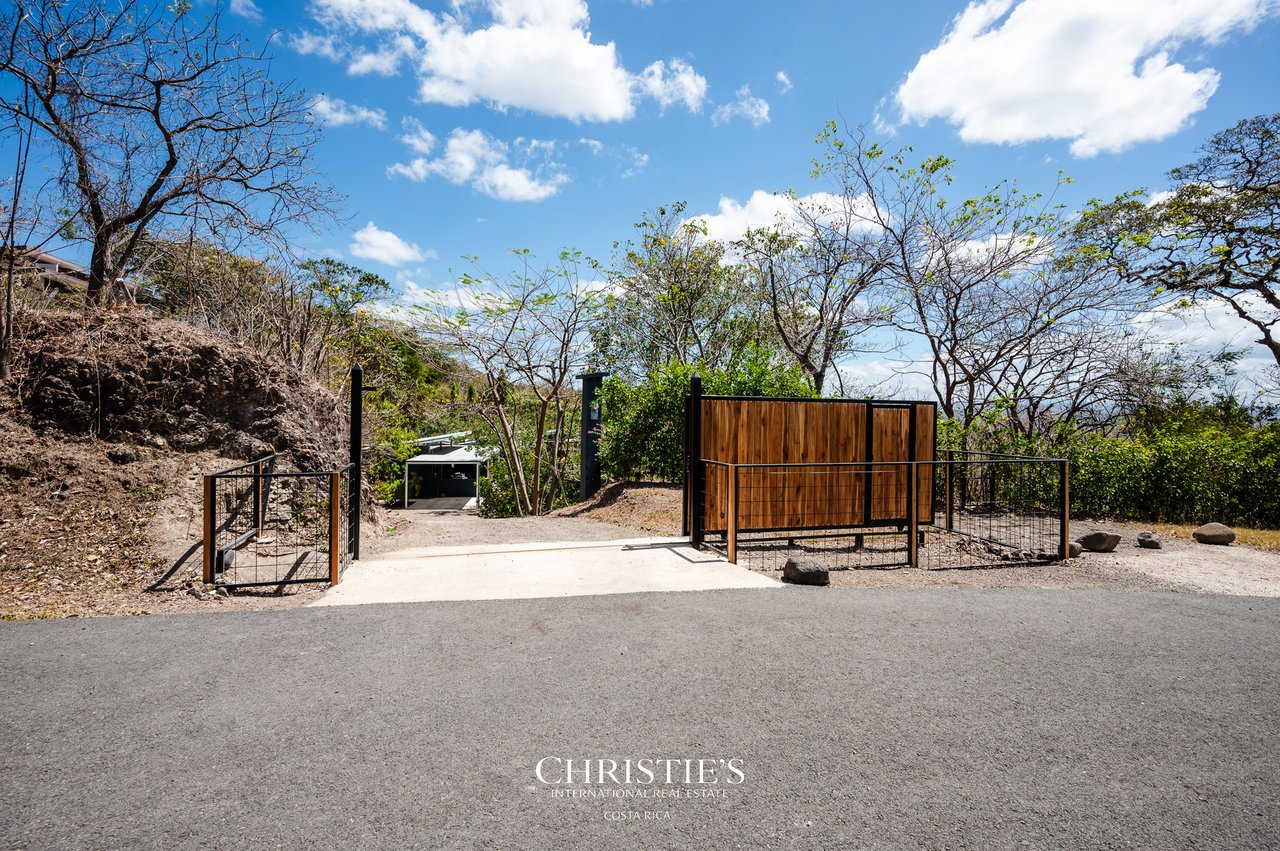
[642, 432]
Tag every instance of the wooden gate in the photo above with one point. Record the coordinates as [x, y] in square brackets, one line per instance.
[803, 464]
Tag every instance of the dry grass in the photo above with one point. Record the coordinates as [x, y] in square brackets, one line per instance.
[1263, 539]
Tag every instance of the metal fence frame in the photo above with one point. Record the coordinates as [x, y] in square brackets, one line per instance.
[953, 468]
[343, 520]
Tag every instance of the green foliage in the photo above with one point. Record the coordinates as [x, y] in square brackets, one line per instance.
[642, 433]
[1203, 462]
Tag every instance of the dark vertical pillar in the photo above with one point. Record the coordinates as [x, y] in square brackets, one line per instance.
[688, 466]
[697, 469]
[913, 518]
[356, 475]
[1064, 509]
[591, 417]
[210, 528]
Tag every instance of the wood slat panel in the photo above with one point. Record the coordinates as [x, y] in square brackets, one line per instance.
[757, 431]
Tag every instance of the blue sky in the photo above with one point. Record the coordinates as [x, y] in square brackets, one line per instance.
[467, 128]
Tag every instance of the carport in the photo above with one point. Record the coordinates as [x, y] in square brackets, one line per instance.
[449, 467]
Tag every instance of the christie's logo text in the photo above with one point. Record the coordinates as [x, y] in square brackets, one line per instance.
[556, 771]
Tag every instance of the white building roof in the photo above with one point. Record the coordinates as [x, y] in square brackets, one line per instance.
[449, 455]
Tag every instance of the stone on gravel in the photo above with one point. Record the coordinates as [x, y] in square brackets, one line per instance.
[1075, 549]
[1214, 533]
[1099, 542]
[805, 573]
[1149, 541]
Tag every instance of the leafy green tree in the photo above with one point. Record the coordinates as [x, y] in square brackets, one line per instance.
[673, 295]
[1215, 234]
[642, 428]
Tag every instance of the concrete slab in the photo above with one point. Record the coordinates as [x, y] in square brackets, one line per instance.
[523, 571]
[446, 503]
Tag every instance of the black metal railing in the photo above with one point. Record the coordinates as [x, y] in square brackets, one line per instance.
[264, 527]
[971, 510]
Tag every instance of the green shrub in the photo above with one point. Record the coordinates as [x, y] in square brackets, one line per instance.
[642, 433]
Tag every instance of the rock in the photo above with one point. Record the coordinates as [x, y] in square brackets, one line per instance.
[1099, 542]
[1149, 541]
[1214, 533]
[1075, 549]
[805, 573]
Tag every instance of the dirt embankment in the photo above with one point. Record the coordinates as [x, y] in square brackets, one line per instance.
[105, 430]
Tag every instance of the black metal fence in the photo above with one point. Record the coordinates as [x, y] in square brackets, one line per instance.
[972, 510]
[265, 527]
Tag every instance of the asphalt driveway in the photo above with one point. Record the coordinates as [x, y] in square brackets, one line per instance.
[825, 719]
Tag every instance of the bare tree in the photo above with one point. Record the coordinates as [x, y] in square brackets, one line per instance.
[820, 269]
[162, 122]
[980, 282]
[525, 336]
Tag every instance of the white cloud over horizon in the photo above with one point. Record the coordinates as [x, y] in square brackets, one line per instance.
[335, 112]
[475, 158]
[775, 210]
[537, 56]
[383, 246]
[1098, 73]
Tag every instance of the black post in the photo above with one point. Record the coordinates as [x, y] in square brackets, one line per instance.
[688, 466]
[589, 464]
[356, 475]
[697, 469]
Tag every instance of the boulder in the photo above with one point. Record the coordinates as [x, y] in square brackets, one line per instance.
[1075, 550]
[1099, 542]
[1214, 533]
[1149, 541]
[805, 573]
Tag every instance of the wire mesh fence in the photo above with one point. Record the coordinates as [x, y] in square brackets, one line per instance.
[265, 527]
[970, 510]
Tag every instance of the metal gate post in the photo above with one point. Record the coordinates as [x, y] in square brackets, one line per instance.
[688, 465]
[210, 528]
[335, 520]
[357, 446]
[731, 517]
[946, 489]
[1064, 509]
[698, 468]
[913, 519]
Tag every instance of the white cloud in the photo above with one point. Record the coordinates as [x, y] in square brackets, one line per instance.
[674, 83]
[314, 44]
[629, 159]
[1100, 73]
[335, 112]
[784, 82]
[246, 9]
[384, 61]
[473, 157]
[529, 54]
[764, 209]
[745, 105]
[373, 243]
[417, 137]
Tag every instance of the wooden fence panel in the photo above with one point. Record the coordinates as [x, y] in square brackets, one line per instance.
[801, 431]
